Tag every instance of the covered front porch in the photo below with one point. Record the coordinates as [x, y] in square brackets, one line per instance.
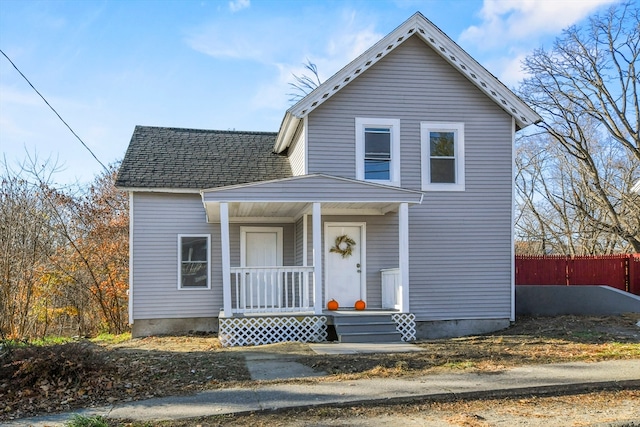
[336, 223]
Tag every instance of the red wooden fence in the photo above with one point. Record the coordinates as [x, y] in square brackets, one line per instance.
[618, 271]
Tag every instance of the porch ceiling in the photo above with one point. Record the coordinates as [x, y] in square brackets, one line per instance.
[291, 211]
[286, 200]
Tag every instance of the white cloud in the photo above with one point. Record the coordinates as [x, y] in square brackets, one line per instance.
[273, 94]
[331, 42]
[226, 39]
[348, 38]
[11, 95]
[510, 29]
[508, 69]
[505, 22]
[236, 5]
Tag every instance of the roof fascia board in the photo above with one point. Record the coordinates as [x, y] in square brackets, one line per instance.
[312, 200]
[318, 175]
[441, 44]
[477, 74]
[160, 190]
[286, 133]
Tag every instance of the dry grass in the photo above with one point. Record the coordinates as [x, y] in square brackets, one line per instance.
[161, 366]
[529, 341]
[573, 410]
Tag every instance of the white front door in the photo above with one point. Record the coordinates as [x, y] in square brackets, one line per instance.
[261, 247]
[344, 252]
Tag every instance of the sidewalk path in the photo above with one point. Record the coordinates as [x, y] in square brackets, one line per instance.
[534, 379]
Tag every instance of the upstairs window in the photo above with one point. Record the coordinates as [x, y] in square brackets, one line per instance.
[193, 265]
[442, 156]
[377, 153]
[378, 150]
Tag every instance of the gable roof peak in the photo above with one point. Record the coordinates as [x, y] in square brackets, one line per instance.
[417, 25]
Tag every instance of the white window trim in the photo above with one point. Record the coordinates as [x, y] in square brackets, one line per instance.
[425, 129]
[394, 125]
[194, 288]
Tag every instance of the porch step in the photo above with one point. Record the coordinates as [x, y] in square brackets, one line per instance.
[366, 328]
[370, 337]
[353, 328]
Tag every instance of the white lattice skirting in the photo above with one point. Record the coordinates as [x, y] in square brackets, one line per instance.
[241, 331]
[406, 325]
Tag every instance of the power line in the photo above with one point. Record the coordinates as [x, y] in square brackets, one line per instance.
[54, 110]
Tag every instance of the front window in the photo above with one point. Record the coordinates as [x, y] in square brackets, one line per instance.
[194, 254]
[377, 153]
[378, 150]
[442, 156]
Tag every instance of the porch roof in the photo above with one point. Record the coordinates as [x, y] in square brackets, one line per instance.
[287, 199]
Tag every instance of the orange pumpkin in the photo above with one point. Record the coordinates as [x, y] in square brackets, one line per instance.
[360, 305]
[332, 305]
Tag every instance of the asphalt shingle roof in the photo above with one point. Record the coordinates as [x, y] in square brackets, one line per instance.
[160, 157]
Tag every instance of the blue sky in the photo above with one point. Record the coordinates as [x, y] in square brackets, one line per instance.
[107, 66]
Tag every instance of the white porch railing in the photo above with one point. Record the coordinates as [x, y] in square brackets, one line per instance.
[271, 289]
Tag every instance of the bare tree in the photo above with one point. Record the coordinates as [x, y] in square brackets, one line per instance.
[575, 175]
[304, 84]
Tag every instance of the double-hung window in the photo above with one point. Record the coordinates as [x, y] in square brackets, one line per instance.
[194, 253]
[378, 150]
[442, 156]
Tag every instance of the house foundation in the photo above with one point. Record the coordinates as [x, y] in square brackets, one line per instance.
[458, 328]
[180, 326]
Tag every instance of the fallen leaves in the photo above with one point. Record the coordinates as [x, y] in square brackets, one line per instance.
[48, 379]
[59, 378]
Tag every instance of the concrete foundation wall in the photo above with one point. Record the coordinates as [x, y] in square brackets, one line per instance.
[147, 327]
[580, 300]
[424, 330]
[458, 328]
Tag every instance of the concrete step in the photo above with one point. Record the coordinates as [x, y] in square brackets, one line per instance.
[365, 327]
[370, 337]
[361, 318]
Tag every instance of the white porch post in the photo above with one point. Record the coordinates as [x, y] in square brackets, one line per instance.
[226, 258]
[305, 258]
[403, 255]
[317, 259]
[305, 241]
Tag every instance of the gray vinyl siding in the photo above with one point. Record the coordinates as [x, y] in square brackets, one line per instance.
[299, 239]
[297, 155]
[460, 242]
[311, 189]
[158, 219]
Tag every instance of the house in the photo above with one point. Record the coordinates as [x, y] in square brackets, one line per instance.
[391, 183]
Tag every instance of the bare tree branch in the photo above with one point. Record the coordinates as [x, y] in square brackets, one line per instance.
[586, 89]
[304, 84]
